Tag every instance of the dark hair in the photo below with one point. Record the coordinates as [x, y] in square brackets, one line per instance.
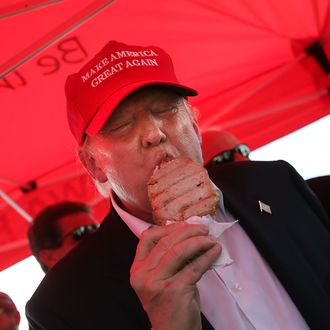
[44, 232]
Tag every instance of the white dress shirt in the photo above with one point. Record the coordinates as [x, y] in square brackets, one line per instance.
[243, 293]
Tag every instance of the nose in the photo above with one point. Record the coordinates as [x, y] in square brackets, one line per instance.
[152, 133]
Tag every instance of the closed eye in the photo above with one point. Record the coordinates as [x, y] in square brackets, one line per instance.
[170, 109]
[115, 127]
[119, 126]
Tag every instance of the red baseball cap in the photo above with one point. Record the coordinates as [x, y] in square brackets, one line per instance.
[116, 71]
[215, 141]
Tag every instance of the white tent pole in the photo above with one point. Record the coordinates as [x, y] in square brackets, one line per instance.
[16, 207]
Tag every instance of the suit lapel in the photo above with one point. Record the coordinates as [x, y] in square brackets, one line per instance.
[120, 245]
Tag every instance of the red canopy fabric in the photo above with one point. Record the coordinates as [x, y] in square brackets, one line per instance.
[248, 60]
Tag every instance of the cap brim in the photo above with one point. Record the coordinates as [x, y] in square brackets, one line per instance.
[113, 100]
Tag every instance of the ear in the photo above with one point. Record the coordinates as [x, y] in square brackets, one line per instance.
[194, 114]
[197, 130]
[90, 164]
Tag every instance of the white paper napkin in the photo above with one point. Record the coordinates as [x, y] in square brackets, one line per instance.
[216, 229]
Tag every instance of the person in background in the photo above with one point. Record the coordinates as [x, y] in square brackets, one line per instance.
[129, 113]
[57, 229]
[9, 315]
[219, 146]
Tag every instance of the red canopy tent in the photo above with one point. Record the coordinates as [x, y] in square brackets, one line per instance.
[261, 68]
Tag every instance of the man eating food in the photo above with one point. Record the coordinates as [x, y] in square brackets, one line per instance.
[131, 117]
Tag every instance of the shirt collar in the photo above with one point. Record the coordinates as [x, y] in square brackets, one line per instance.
[136, 225]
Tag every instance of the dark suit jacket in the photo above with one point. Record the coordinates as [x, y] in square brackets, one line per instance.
[89, 289]
[321, 187]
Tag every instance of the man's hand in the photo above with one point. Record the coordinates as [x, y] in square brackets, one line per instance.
[169, 262]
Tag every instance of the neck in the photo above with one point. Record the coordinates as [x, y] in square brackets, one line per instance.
[143, 214]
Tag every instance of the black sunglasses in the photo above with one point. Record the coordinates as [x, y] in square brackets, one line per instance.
[228, 155]
[81, 231]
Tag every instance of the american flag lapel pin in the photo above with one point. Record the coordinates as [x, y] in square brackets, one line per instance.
[264, 207]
